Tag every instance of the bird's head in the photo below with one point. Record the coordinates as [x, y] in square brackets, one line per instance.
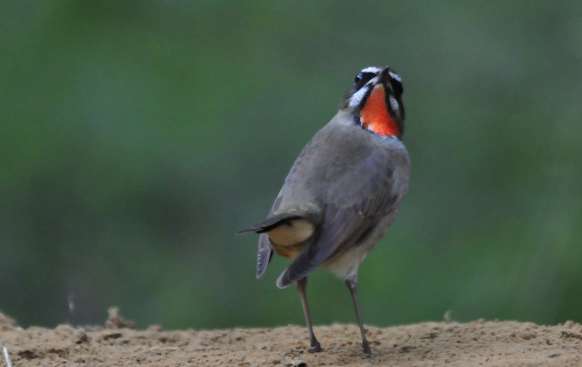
[375, 100]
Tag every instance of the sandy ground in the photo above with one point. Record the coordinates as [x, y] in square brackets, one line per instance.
[478, 343]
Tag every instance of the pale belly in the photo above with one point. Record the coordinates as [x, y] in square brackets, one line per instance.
[346, 264]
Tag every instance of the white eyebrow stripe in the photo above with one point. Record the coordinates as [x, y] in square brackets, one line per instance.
[373, 81]
[371, 69]
[395, 76]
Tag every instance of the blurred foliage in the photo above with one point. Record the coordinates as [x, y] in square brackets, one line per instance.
[138, 136]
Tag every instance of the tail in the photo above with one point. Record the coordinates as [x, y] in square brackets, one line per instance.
[286, 230]
[265, 250]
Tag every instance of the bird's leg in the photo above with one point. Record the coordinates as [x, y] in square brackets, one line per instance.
[352, 285]
[314, 344]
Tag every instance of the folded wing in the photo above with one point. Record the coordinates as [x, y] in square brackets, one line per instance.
[355, 203]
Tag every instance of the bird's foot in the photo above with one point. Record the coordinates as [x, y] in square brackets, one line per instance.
[366, 348]
[315, 347]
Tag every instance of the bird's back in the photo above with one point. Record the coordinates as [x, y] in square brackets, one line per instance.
[348, 180]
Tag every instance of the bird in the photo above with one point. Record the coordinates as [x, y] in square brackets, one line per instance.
[342, 192]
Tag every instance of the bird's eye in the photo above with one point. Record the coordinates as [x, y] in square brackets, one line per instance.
[362, 77]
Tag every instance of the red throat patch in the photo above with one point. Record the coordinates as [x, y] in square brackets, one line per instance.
[375, 116]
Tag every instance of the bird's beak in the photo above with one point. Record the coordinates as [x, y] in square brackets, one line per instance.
[384, 79]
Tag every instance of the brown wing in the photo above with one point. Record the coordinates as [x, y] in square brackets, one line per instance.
[355, 203]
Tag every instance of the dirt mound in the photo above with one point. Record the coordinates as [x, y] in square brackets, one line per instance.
[478, 343]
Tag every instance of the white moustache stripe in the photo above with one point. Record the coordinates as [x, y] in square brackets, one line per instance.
[395, 76]
[357, 97]
[394, 104]
[371, 69]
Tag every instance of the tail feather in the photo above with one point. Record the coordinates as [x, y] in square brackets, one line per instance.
[265, 249]
[264, 255]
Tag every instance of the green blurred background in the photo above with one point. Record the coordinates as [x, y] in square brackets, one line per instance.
[138, 136]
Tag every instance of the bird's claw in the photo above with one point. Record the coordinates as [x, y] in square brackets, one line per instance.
[315, 348]
[366, 349]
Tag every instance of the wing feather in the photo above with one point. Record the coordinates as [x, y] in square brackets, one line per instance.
[356, 203]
